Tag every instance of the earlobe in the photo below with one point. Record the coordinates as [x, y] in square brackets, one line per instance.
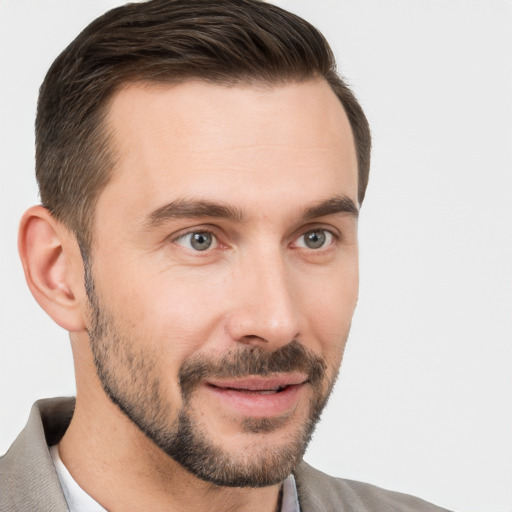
[48, 254]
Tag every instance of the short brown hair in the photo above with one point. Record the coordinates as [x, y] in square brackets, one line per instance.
[223, 41]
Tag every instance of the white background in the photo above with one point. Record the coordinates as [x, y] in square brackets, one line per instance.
[424, 402]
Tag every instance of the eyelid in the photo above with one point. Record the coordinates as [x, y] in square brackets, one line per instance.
[336, 234]
[191, 234]
[216, 233]
[175, 237]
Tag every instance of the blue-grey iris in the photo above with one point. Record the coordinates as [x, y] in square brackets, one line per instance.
[315, 239]
[201, 241]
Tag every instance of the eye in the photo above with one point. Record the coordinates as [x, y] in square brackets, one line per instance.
[197, 240]
[315, 239]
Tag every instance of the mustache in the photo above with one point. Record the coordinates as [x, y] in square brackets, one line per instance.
[252, 361]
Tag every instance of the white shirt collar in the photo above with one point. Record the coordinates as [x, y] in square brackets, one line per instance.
[77, 499]
[290, 497]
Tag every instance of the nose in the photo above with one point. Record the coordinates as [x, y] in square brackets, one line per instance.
[265, 308]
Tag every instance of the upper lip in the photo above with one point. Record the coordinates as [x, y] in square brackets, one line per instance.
[259, 383]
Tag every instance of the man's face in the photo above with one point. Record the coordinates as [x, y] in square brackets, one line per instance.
[224, 270]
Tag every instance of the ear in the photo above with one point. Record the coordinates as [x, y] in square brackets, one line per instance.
[53, 267]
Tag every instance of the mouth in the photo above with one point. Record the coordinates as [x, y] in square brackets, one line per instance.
[256, 396]
[258, 391]
[257, 384]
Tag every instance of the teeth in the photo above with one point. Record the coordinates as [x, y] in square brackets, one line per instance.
[261, 391]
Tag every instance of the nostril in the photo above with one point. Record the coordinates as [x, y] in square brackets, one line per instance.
[250, 339]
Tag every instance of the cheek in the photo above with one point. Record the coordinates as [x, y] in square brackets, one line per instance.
[173, 313]
[330, 310]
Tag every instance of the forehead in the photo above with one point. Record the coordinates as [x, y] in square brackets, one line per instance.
[240, 142]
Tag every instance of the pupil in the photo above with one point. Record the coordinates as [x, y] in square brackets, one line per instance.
[201, 241]
[315, 239]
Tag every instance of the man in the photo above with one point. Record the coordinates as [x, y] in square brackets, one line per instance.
[201, 168]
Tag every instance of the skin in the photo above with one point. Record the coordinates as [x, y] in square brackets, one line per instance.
[271, 153]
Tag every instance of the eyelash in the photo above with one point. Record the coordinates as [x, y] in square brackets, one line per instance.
[336, 237]
[199, 230]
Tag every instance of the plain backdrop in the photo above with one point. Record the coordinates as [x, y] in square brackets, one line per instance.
[424, 401]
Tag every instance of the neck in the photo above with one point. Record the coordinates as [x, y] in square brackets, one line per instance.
[119, 467]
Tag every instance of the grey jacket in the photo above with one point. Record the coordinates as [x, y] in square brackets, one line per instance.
[29, 482]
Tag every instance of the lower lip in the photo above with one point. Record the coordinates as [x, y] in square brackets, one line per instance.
[259, 405]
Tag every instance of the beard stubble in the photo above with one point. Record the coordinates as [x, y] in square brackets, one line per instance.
[127, 372]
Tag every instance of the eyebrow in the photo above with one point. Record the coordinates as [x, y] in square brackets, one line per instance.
[191, 209]
[332, 206]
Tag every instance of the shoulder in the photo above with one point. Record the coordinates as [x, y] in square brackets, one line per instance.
[28, 480]
[320, 492]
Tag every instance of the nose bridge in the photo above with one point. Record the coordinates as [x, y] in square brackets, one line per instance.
[266, 308]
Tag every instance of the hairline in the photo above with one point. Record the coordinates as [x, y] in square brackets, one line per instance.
[105, 132]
